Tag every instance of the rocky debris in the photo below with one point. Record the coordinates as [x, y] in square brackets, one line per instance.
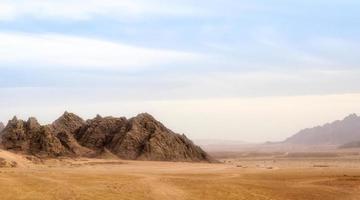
[106, 154]
[7, 164]
[34, 159]
[139, 138]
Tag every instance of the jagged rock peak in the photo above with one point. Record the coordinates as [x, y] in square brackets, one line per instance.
[68, 122]
[67, 116]
[144, 116]
[15, 122]
[148, 122]
[32, 123]
[14, 119]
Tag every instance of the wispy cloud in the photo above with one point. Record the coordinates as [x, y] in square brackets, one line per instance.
[52, 50]
[88, 9]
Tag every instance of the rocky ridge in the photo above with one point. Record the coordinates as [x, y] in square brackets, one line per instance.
[336, 133]
[138, 138]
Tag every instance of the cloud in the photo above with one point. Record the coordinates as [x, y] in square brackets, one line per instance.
[6, 11]
[43, 50]
[88, 9]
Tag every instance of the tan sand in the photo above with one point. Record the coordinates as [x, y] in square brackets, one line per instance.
[237, 179]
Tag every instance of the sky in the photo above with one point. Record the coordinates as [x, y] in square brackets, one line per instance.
[249, 70]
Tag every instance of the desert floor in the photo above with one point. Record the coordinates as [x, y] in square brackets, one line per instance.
[242, 178]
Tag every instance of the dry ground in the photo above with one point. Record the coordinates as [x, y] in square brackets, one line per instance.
[250, 178]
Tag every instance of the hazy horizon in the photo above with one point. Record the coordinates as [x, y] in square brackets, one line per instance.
[244, 70]
[207, 119]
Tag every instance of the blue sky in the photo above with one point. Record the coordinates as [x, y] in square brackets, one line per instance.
[57, 55]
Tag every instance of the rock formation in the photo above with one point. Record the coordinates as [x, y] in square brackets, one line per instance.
[336, 133]
[2, 126]
[139, 138]
[65, 128]
[32, 138]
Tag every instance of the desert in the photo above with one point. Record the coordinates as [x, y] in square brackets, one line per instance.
[254, 178]
[73, 158]
[179, 100]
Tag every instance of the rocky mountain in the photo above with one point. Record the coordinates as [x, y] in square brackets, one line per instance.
[336, 133]
[139, 138]
[2, 126]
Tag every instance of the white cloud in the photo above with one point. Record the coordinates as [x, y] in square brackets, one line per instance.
[7, 11]
[68, 51]
[87, 9]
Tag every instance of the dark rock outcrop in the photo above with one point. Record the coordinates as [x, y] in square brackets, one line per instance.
[148, 139]
[32, 138]
[336, 133]
[65, 128]
[44, 143]
[68, 122]
[98, 133]
[139, 138]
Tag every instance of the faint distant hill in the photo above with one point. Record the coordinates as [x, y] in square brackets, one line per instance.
[219, 142]
[350, 145]
[336, 133]
[222, 145]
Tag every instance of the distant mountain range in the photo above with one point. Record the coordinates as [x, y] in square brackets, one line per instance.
[212, 145]
[339, 132]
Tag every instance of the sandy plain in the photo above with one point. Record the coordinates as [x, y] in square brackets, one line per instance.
[250, 177]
